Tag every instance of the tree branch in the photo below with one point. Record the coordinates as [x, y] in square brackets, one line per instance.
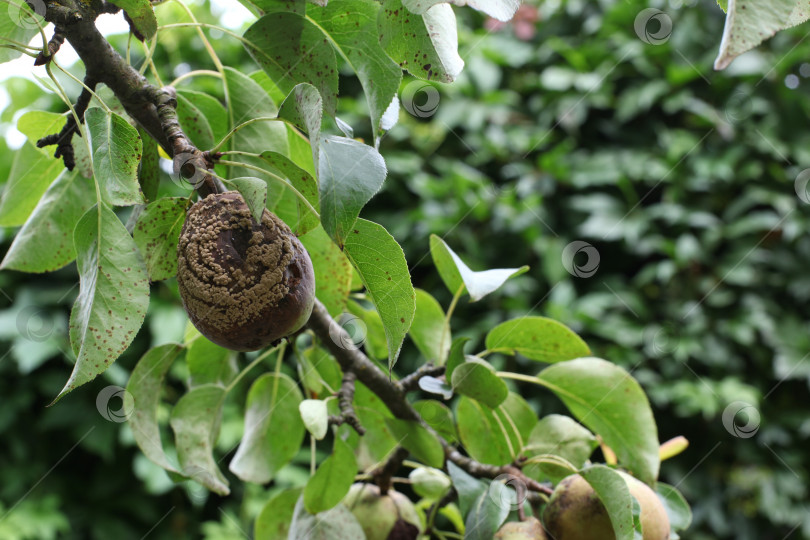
[410, 382]
[154, 109]
[345, 399]
[63, 139]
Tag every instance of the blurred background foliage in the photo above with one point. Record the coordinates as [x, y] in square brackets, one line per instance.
[564, 126]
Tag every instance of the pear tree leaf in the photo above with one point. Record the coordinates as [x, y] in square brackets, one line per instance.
[612, 404]
[272, 408]
[537, 338]
[156, 234]
[145, 385]
[455, 273]
[381, 264]
[113, 294]
[117, 150]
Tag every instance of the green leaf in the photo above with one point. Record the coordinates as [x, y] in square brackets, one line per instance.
[195, 420]
[503, 10]
[315, 416]
[303, 108]
[156, 234]
[454, 272]
[293, 50]
[430, 330]
[117, 151]
[426, 45]
[349, 174]
[272, 408]
[149, 167]
[438, 416]
[537, 338]
[19, 22]
[276, 516]
[208, 363]
[145, 385]
[352, 25]
[381, 264]
[304, 183]
[210, 108]
[612, 490]
[418, 441]
[456, 356]
[487, 513]
[194, 123]
[113, 295]
[45, 242]
[333, 271]
[248, 100]
[142, 15]
[38, 124]
[469, 489]
[475, 378]
[254, 192]
[748, 24]
[494, 436]
[548, 467]
[559, 436]
[332, 480]
[31, 174]
[612, 404]
[376, 445]
[680, 515]
[337, 523]
[369, 331]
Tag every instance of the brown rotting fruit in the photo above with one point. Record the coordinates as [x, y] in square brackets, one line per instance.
[245, 285]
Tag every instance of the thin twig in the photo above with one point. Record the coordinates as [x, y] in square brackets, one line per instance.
[345, 397]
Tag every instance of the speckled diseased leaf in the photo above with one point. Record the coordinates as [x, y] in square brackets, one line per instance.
[113, 294]
[142, 15]
[302, 181]
[210, 107]
[116, 152]
[31, 174]
[349, 174]
[149, 167]
[333, 272]
[749, 23]
[352, 24]
[145, 385]
[293, 50]
[45, 242]
[156, 235]
[195, 421]
[249, 100]
[503, 10]
[194, 123]
[381, 264]
[272, 408]
[426, 45]
[537, 338]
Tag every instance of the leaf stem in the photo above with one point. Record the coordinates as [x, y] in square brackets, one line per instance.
[195, 73]
[243, 125]
[446, 327]
[253, 364]
[521, 377]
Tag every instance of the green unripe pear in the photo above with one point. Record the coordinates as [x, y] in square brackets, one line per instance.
[575, 512]
[531, 529]
[429, 483]
[383, 516]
